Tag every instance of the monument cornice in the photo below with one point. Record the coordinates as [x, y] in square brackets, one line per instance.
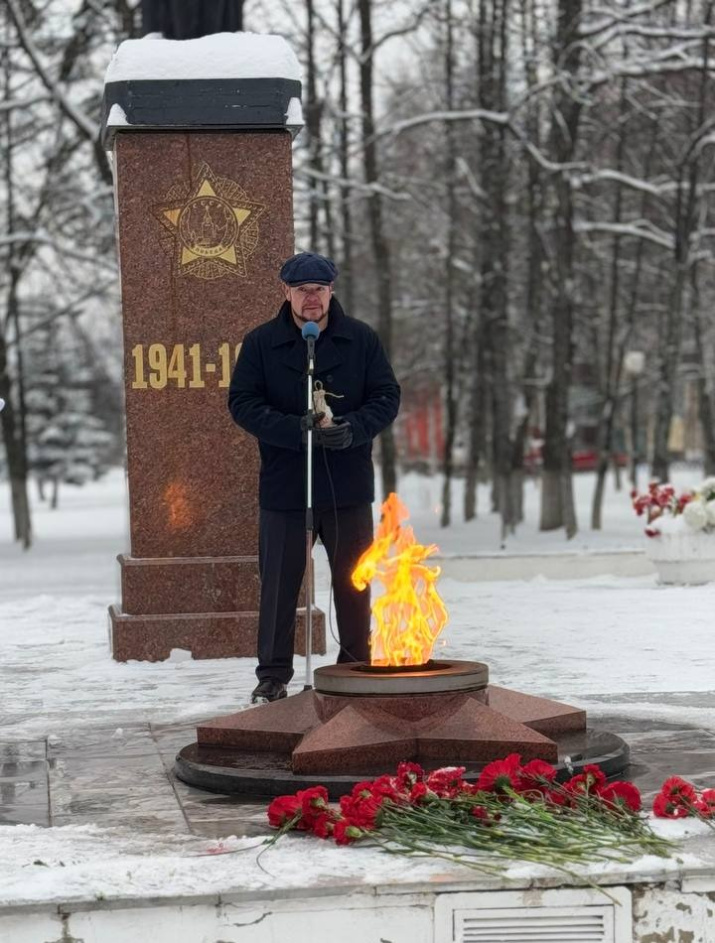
[200, 104]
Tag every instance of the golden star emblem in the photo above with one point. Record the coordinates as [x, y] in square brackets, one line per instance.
[214, 227]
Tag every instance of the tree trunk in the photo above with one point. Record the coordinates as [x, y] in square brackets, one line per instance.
[15, 457]
[12, 423]
[493, 236]
[557, 507]
[312, 126]
[535, 260]
[685, 221]
[54, 503]
[449, 350]
[612, 372]
[346, 274]
[705, 397]
[477, 423]
[380, 245]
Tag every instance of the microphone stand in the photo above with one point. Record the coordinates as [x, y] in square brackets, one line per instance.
[308, 686]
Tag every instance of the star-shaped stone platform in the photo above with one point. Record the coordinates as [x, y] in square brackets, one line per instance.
[340, 735]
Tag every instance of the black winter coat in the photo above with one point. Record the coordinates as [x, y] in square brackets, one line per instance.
[267, 398]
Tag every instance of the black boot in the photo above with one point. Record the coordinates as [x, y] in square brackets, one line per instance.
[268, 690]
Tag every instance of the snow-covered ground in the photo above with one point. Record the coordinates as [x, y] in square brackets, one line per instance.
[615, 645]
[624, 644]
[111, 864]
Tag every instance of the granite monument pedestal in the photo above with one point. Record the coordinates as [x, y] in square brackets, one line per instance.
[203, 178]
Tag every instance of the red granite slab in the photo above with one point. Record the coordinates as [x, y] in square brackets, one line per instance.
[335, 735]
[205, 635]
[354, 739]
[475, 733]
[539, 713]
[192, 472]
[189, 584]
[205, 220]
[401, 708]
[271, 727]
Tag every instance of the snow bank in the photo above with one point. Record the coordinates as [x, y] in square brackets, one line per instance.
[221, 56]
[86, 862]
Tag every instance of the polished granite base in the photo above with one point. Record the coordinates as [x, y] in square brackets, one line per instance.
[356, 721]
[230, 772]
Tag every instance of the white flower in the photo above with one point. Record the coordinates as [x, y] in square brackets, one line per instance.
[707, 489]
[696, 515]
[710, 511]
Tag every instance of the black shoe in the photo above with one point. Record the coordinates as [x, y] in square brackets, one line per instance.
[268, 690]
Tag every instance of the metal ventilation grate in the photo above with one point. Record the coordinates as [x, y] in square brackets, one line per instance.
[537, 925]
[558, 916]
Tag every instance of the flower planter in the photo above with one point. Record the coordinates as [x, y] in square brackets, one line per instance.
[685, 558]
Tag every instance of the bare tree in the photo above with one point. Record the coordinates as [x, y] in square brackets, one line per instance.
[684, 225]
[557, 503]
[380, 244]
[450, 353]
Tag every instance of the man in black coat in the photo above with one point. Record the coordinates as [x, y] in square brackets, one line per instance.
[267, 398]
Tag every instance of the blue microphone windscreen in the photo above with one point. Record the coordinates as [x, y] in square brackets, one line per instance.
[310, 329]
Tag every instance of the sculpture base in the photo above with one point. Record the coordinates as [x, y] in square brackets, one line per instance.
[263, 775]
[204, 634]
[358, 723]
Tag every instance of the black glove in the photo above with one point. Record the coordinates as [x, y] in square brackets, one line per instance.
[310, 422]
[337, 436]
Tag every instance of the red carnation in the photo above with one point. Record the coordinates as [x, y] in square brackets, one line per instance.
[362, 790]
[665, 808]
[589, 780]
[362, 810]
[667, 492]
[324, 824]
[282, 810]
[676, 789]
[706, 803]
[408, 775]
[385, 786]
[313, 802]
[447, 781]
[313, 799]
[501, 774]
[418, 792]
[536, 775]
[623, 796]
[345, 832]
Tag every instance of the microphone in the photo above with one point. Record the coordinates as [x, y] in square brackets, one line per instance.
[310, 333]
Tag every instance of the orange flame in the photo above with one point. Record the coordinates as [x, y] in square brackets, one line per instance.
[410, 614]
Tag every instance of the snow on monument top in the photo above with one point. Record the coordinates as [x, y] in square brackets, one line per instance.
[220, 56]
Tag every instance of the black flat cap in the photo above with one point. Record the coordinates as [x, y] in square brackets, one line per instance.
[309, 267]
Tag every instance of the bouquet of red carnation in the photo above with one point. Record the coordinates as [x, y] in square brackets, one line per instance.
[513, 810]
[679, 799]
[658, 501]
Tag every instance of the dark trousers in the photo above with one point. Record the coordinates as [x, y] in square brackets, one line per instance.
[282, 549]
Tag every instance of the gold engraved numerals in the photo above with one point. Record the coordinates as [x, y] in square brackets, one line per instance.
[157, 366]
